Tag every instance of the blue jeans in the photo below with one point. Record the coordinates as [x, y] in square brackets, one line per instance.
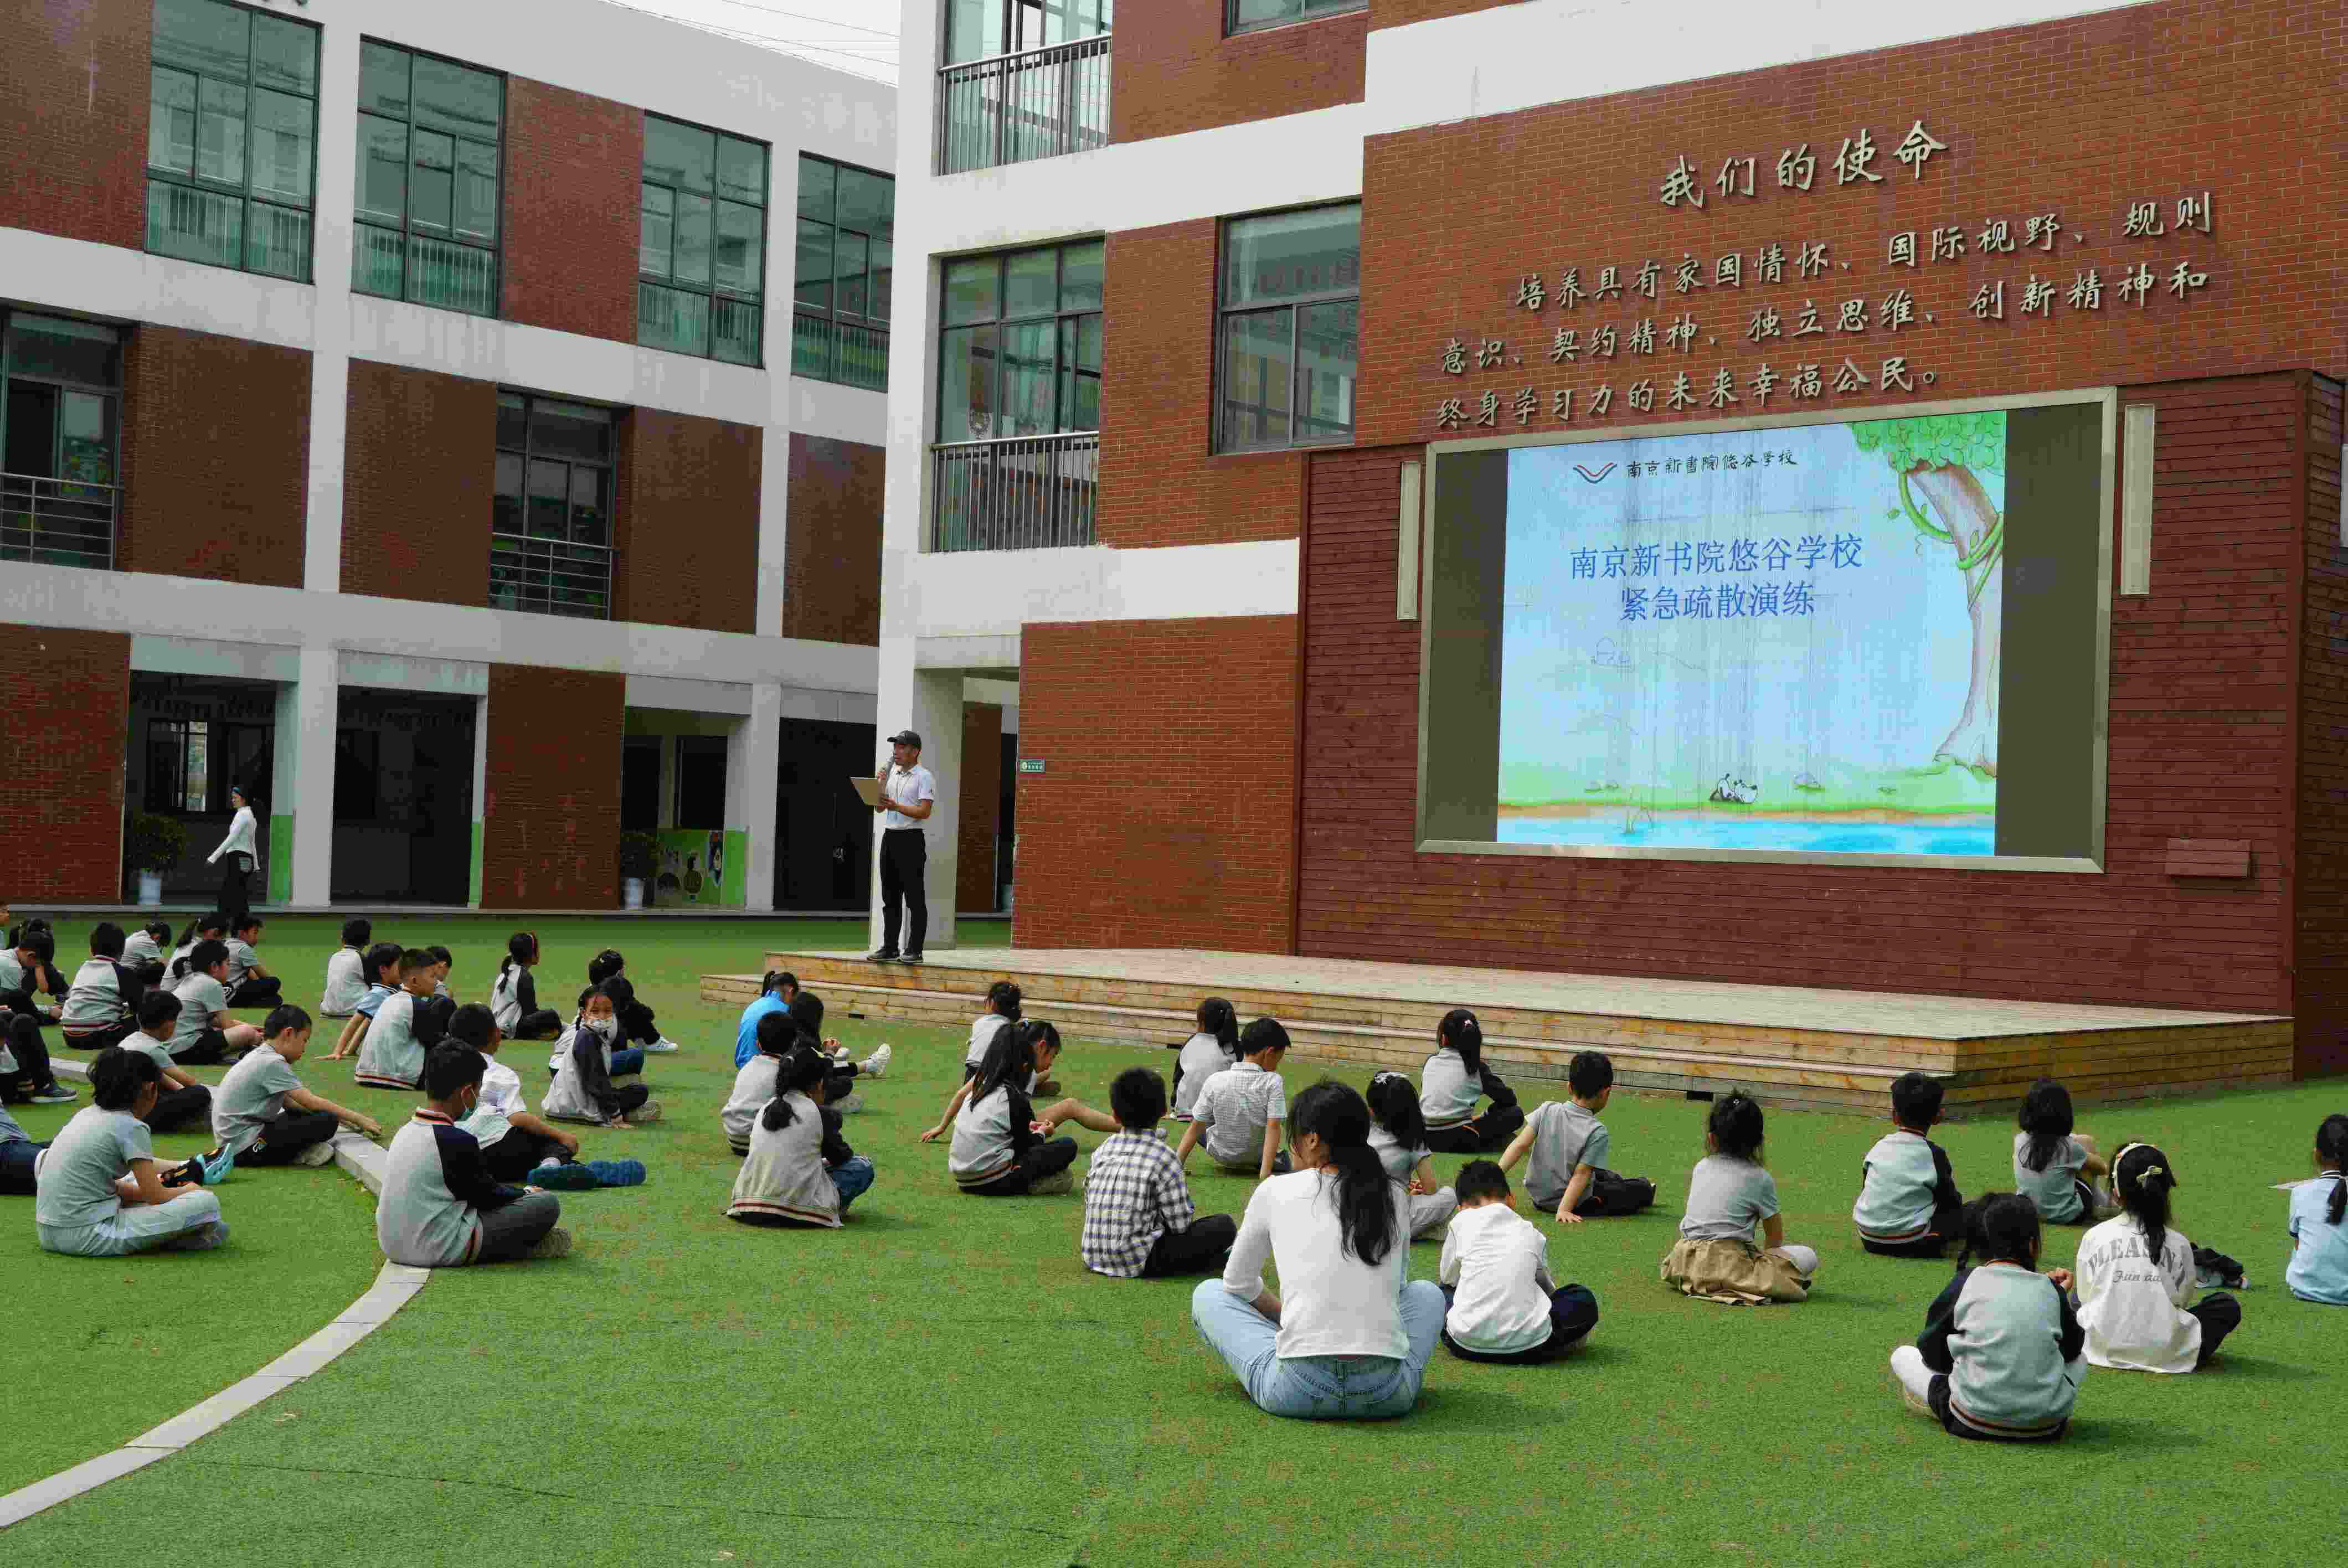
[1318, 1387]
[626, 1060]
[852, 1178]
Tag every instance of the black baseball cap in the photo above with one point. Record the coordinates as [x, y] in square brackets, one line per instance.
[907, 738]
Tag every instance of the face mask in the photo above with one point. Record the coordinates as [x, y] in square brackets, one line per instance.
[602, 1026]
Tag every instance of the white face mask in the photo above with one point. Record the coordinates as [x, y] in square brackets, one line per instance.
[602, 1026]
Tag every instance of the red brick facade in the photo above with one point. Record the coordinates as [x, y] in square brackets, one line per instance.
[1159, 485]
[1176, 72]
[687, 522]
[65, 718]
[1403, 13]
[982, 808]
[215, 457]
[2320, 975]
[417, 472]
[831, 552]
[551, 818]
[1187, 840]
[574, 168]
[72, 118]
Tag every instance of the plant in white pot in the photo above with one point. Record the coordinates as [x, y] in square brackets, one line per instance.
[152, 845]
[639, 858]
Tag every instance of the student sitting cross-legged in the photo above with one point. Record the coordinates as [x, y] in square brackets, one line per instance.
[1452, 1082]
[18, 1157]
[249, 985]
[1002, 1147]
[777, 1036]
[379, 968]
[263, 1115]
[24, 1070]
[2318, 1269]
[513, 995]
[1908, 1206]
[28, 969]
[1499, 1302]
[1398, 1133]
[799, 1171]
[2134, 1274]
[405, 1026]
[102, 1005]
[584, 1087]
[100, 1193]
[441, 1207]
[346, 971]
[1349, 1334]
[1569, 1146]
[207, 1031]
[2002, 1352]
[178, 1099]
[1241, 1112]
[516, 1146]
[147, 951]
[1718, 1256]
[1139, 1221]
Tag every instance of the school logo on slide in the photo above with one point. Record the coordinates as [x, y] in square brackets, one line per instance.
[1594, 479]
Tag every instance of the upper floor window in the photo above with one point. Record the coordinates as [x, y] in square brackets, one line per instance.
[1019, 343]
[1289, 311]
[231, 137]
[60, 400]
[847, 235]
[702, 265]
[981, 29]
[551, 521]
[1022, 79]
[1246, 15]
[430, 137]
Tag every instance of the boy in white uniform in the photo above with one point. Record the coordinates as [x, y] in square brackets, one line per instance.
[1500, 1304]
[1242, 1111]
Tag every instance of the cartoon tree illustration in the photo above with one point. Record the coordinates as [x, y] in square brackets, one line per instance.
[1942, 459]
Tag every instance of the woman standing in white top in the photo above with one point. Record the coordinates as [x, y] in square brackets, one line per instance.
[1350, 1335]
[238, 846]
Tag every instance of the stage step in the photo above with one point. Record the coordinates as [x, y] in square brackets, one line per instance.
[1367, 1017]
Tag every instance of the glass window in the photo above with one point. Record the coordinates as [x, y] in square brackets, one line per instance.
[231, 137]
[1246, 15]
[1019, 345]
[701, 255]
[981, 29]
[1288, 335]
[847, 232]
[550, 529]
[60, 390]
[431, 153]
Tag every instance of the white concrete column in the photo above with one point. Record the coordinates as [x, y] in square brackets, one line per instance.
[310, 739]
[334, 195]
[753, 756]
[928, 702]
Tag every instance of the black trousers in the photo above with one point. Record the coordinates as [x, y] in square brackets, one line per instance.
[1045, 1159]
[543, 1024]
[1573, 1314]
[255, 991]
[1947, 1226]
[2221, 1314]
[32, 1054]
[636, 1024]
[1199, 1250]
[98, 1040]
[175, 1108]
[904, 889]
[209, 1049]
[1487, 1133]
[288, 1136]
[17, 1160]
[234, 898]
[514, 1156]
[630, 1096]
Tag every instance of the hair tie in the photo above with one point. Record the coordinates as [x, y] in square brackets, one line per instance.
[1382, 1075]
[2148, 1173]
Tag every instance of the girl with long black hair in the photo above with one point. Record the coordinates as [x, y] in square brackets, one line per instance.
[2318, 1270]
[1214, 1047]
[2134, 1274]
[1455, 1078]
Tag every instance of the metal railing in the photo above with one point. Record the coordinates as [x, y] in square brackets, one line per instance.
[550, 576]
[1039, 103]
[828, 348]
[57, 522]
[1020, 492]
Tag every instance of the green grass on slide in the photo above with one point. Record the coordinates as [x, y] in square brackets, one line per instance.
[942, 1383]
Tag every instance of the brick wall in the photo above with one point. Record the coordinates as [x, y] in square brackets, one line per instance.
[2045, 119]
[215, 457]
[1403, 13]
[1158, 484]
[2320, 884]
[574, 170]
[551, 816]
[1176, 72]
[982, 808]
[72, 118]
[832, 546]
[2200, 740]
[417, 474]
[1187, 839]
[687, 522]
[65, 718]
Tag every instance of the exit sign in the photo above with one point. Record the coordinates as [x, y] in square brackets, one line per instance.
[1031, 764]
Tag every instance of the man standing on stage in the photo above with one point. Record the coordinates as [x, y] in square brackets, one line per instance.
[907, 794]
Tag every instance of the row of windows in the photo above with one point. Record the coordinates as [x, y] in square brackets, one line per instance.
[232, 157]
[982, 29]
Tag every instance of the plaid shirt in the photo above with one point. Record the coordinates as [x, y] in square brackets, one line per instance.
[1134, 1194]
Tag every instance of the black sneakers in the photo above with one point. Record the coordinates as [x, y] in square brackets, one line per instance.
[881, 956]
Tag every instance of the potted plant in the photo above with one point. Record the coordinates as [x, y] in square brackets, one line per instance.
[639, 858]
[151, 846]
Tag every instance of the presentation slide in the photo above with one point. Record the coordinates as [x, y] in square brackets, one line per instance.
[1772, 638]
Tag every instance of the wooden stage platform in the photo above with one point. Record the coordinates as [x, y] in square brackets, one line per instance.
[1788, 1046]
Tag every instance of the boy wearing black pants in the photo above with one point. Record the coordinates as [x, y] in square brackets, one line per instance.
[1139, 1221]
[1908, 1203]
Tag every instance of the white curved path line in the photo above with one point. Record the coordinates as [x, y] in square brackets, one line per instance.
[392, 1290]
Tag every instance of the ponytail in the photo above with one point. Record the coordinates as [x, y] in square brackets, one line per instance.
[1220, 1018]
[1003, 999]
[521, 946]
[1395, 1103]
[1010, 1057]
[1363, 1194]
[2143, 1179]
[1998, 1226]
[2331, 1146]
[1460, 1033]
[795, 1071]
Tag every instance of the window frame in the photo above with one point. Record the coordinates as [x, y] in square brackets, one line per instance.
[708, 289]
[1306, 11]
[407, 229]
[246, 196]
[831, 314]
[1059, 316]
[609, 467]
[1293, 304]
[1008, 38]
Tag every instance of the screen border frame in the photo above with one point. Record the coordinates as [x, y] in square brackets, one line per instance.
[2105, 397]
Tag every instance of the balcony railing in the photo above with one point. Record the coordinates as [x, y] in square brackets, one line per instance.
[1023, 493]
[1040, 103]
[549, 577]
[57, 522]
[829, 348]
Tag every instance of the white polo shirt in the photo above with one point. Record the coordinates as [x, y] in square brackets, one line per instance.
[907, 786]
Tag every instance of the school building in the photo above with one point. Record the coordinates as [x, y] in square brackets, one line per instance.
[462, 424]
[1223, 311]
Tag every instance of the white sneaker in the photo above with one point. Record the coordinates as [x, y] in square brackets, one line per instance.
[661, 1047]
[649, 1111]
[317, 1154]
[849, 1105]
[877, 1064]
[548, 1164]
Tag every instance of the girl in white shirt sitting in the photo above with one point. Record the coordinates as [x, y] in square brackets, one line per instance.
[1215, 1047]
[2134, 1274]
[1350, 1334]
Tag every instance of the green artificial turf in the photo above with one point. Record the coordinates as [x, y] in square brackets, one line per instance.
[942, 1383]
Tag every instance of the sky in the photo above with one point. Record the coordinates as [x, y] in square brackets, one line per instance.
[856, 36]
